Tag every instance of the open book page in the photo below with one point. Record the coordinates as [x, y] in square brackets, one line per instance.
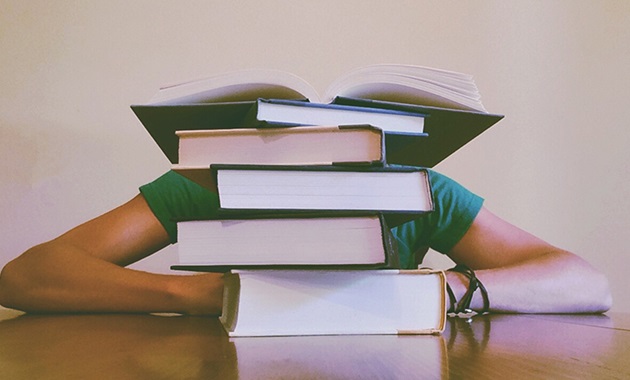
[408, 84]
[244, 85]
[451, 80]
[388, 82]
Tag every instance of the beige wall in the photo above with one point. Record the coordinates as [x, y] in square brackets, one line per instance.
[557, 165]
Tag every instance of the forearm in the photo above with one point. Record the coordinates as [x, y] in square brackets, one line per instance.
[554, 282]
[50, 278]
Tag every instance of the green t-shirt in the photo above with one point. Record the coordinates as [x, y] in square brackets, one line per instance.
[172, 197]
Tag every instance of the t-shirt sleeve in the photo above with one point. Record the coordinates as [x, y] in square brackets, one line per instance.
[455, 208]
[173, 197]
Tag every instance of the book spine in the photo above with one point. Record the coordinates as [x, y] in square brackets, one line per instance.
[392, 259]
[231, 301]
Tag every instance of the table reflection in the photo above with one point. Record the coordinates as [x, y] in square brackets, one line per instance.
[178, 347]
[113, 346]
[528, 346]
[158, 347]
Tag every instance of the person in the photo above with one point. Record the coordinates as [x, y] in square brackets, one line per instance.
[84, 269]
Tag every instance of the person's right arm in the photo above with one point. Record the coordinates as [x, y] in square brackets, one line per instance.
[83, 271]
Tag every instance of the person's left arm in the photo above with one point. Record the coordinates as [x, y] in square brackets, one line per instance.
[524, 274]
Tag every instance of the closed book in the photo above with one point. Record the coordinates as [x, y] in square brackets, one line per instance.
[282, 242]
[360, 144]
[289, 112]
[402, 192]
[333, 302]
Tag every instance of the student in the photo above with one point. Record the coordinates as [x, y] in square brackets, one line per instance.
[84, 270]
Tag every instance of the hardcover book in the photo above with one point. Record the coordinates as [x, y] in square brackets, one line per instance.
[361, 144]
[400, 191]
[284, 112]
[357, 242]
[333, 302]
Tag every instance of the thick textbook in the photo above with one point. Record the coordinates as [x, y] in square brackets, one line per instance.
[360, 144]
[224, 101]
[317, 242]
[333, 302]
[270, 189]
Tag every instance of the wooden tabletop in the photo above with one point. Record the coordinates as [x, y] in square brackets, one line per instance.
[177, 347]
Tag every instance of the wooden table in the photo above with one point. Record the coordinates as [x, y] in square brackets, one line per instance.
[176, 347]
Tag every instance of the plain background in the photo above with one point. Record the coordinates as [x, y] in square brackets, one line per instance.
[557, 165]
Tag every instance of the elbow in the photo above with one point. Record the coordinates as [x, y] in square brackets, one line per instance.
[593, 290]
[603, 294]
[7, 288]
[584, 288]
[17, 281]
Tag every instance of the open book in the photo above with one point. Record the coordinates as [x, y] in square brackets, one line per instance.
[385, 82]
[446, 104]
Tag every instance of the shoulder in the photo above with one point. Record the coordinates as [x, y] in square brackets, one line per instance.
[173, 197]
[455, 209]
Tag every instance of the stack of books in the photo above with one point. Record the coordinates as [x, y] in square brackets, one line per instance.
[309, 188]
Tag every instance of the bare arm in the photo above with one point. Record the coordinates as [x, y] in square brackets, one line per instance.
[83, 271]
[524, 274]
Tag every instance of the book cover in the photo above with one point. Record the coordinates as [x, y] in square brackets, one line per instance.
[162, 121]
[447, 130]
